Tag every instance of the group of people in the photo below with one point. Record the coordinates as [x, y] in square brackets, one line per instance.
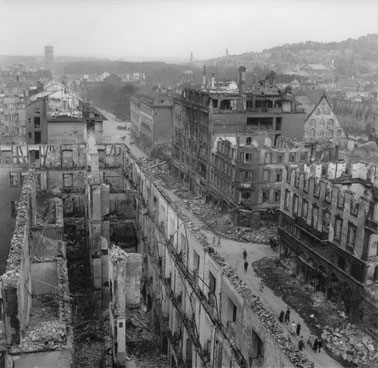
[315, 342]
[216, 243]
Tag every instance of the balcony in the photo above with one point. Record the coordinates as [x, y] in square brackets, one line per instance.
[300, 222]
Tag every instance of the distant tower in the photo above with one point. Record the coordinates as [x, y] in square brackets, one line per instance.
[226, 52]
[191, 57]
[49, 57]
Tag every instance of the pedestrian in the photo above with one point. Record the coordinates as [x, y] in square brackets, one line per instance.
[282, 316]
[298, 328]
[311, 340]
[316, 342]
[214, 241]
[293, 328]
[261, 286]
[244, 254]
[245, 266]
[320, 345]
[219, 242]
[287, 316]
[301, 344]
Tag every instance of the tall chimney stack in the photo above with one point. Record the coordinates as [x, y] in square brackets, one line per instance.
[204, 77]
[241, 77]
[191, 57]
[212, 80]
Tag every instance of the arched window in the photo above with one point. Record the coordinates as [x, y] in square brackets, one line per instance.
[312, 132]
[321, 133]
[322, 123]
[330, 123]
[330, 133]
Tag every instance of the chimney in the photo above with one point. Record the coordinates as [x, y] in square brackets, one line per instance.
[241, 76]
[212, 80]
[204, 77]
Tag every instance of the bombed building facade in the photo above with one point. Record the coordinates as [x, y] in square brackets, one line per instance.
[328, 229]
[230, 144]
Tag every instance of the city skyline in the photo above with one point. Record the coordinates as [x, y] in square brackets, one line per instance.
[165, 29]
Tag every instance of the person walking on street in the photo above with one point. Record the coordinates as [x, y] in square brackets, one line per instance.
[219, 242]
[301, 344]
[245, 266]
[244, 254]
[298, 328]
[282, 316]
[287, 316]
[320, 345]
[293, 328]
[315, 347]
[261, 286]
[214, 241]
[311, 340]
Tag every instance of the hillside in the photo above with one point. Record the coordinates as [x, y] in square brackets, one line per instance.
[352, 56]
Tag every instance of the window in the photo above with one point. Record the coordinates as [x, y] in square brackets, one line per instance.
[257, 347]
[37, 122]
[279, 123]
[232, 311]
[67, 180]
[328, 193]
[212, 283]
[29, 135]
[13, 179]
[352, 229]
[37, 137]
[265, 196]
[287, 199]
[295, 204]
[278, 176]
[338, 227]
[67, 160]
[13, 208]
[247, 157]
[277, 196]
[196, 261]
[304, 209]
[280, 158]
[266, 175]
[316, 188]
[248, 141]
[326, 221]
[315, 216]
[268, 157]
[341, 199]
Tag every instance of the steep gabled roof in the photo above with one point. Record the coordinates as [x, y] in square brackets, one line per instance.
[324, 97]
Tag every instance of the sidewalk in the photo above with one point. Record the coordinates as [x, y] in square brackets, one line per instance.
[232, 252]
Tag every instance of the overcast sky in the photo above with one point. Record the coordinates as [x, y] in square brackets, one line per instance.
[137, 29]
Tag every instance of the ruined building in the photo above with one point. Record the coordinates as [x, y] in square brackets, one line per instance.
[151, 122]
[36, 312]
[328, 229]
[57, 117]
[205, 315]
[322, 123]
[230, 144]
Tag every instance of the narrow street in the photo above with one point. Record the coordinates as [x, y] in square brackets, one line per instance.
[232, 251]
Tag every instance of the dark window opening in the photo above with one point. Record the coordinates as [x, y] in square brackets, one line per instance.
[37, 122]
[279, 123]
[37, 137]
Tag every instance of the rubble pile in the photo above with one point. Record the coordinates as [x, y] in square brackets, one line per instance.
[13, 269]
[117, 255]
[142, 342]
[347, 342]
[298, 358]
[351, 345]
[221, 223]
[45, 331]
